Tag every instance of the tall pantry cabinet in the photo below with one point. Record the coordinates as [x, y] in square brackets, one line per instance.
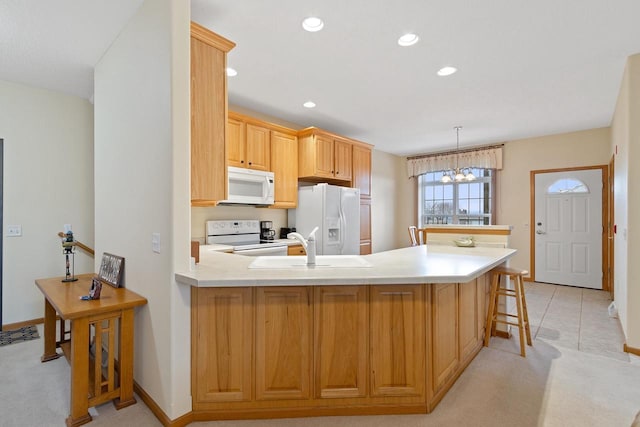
[208, 116]
[362, 180]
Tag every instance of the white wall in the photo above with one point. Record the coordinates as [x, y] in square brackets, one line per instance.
[625, 138]
[48, 182]
[584, 148]
[393, 202]
[141, 187]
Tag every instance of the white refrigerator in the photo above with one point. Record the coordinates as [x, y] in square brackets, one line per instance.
[336, 212]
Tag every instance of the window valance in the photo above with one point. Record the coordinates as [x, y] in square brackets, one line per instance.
[485, 158]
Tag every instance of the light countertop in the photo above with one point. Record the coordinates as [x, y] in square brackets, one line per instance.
[215, 248]
[418, 264]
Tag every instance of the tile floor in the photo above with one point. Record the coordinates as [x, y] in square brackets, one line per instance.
[570, 317]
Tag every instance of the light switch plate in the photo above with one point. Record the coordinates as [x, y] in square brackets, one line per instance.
[14, 230]
[155, 242]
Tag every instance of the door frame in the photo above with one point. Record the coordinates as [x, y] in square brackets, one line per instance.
[605, 215]
[610, 226]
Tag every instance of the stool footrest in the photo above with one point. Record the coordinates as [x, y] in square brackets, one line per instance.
[506, 322]
[507, 314]
[507, 294]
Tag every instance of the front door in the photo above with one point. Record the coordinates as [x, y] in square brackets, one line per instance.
[568, 228]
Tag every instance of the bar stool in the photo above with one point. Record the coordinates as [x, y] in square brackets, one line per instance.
[521, 304]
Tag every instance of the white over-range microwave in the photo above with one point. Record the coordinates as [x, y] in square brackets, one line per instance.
[249, 187]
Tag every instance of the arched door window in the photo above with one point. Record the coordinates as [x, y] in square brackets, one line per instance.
[567, 185]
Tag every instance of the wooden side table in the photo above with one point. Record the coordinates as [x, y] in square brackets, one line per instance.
[93, 377]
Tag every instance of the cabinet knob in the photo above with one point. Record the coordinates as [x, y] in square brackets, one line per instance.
[250, 163]
[241, 161]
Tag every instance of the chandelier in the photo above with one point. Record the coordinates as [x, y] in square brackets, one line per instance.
[457, 174]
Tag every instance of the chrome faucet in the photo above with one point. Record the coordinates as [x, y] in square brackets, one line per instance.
[309, 245]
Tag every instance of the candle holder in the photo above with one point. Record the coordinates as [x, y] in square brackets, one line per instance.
[69, 251]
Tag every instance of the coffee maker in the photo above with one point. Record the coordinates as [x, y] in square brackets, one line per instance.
[266, 230]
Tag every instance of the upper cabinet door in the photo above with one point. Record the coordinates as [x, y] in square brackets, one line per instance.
[208, 116]
[362, 170]
[284, 164]
[236, 144]
[324, 157]
[258, 148]
[342, 160]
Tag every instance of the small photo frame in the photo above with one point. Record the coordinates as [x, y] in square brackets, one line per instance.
[112, 269]
[96, 288]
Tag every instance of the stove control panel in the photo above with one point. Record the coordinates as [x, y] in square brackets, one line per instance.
[227, 227]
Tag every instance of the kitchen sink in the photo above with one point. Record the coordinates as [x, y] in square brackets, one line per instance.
[322, 261]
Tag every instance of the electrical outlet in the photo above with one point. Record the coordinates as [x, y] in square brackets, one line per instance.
[14, 230]
[155, 242]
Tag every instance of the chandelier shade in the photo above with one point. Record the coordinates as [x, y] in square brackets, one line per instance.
[457, 174]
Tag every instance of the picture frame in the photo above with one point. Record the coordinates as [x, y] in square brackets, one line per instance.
[96, 288]
[111, 269]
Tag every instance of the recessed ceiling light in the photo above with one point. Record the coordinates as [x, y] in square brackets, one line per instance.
[312, 24]
[231, 72]
[309, 104]
[447, 71]
[408, 39]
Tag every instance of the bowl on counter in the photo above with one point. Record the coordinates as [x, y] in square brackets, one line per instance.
[464, 242]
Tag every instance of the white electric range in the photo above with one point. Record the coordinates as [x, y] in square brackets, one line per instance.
[244, 237]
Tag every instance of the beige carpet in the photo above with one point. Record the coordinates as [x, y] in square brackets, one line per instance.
[556, 385]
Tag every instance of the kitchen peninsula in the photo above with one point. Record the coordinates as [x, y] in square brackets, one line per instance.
[389, 338]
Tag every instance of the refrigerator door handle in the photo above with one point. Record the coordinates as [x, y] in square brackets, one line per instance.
[343, 226]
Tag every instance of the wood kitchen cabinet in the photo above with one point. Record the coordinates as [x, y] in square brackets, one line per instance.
[284, 164]
[323, 156]
[295, 250]
[256, 144]
[208, 116]
[362, 170]
[365, 226]
[362, 181]
[341, 341]
[283, 343]
[236, 142]
[467, 318]
[482, 283]
[284, 351]
[397, 340]
[248, 144]
[222, 362]
[445, 332]
[457, 320]
[258, 147]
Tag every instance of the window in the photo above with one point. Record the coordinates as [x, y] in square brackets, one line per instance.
[567, 185]
[456, 202]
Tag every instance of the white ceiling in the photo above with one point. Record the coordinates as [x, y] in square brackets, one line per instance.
[526, 68]
[56, 44]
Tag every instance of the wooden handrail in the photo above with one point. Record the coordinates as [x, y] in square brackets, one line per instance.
[80, 245]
